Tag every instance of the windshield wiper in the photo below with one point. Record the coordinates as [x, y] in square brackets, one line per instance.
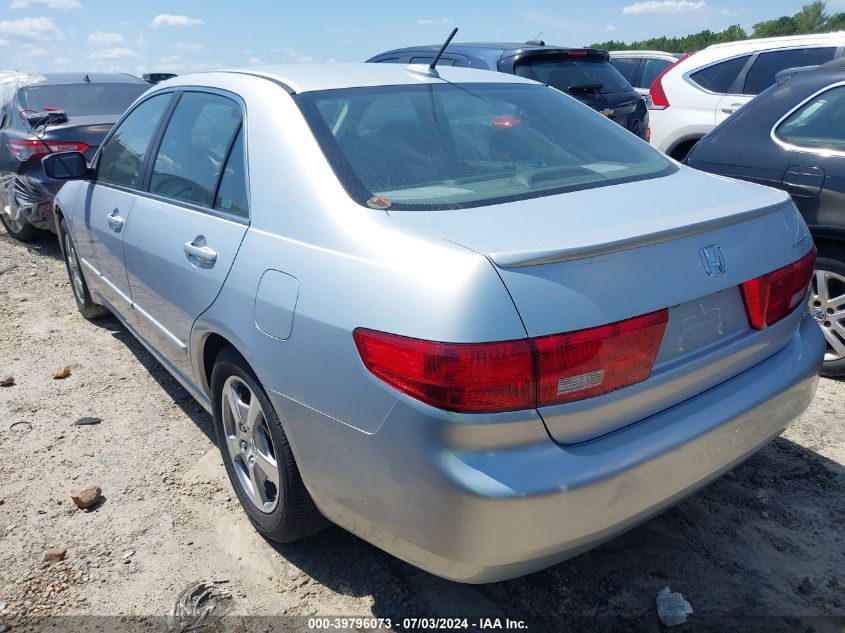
[585, 88]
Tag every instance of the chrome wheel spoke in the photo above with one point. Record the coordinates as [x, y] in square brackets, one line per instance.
[829, 311]
[268, 467]
[835, 335]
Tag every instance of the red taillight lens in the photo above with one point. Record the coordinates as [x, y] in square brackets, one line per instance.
[25, 150]
[657, 99]
[770, 298]
[475, 378]
[591, 362]
[520, 374]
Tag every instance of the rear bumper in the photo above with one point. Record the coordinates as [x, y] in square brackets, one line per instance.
[487, 515]
[28, 194]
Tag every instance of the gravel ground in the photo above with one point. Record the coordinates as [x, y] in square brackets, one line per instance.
[761, 549]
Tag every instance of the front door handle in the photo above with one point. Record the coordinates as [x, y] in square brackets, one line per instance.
[115, 221]
[198, 250]
[731, 108]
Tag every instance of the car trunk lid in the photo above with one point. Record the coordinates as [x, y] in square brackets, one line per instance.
[589, 258]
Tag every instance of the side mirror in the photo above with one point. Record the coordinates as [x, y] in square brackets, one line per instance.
[65, 166]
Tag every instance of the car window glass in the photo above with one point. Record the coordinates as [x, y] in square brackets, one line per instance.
[443, 61]
[652, 68]
[818, 124]
[452, 146]
[389, 60]
[767, 65]
[627, 66]
[194, 146]
[719, 77]
[123, 154]
[82, 99]
[564, 73]
[232, 195]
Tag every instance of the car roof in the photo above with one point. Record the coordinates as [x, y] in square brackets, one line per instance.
[787, 40]
[310, 77]
[484, 49]
[639, 53]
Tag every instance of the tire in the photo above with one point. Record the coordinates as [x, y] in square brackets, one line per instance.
[24, 232]
[84, 303]
[831, 264]
[281, 510]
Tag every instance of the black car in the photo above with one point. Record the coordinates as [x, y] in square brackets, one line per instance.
[584, 73]
[157, 78]
[45, 114]
[792, 136]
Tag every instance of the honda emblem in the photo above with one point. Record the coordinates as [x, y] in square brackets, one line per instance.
[711, 257]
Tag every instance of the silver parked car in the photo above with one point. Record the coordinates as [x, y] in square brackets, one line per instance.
[430, 307]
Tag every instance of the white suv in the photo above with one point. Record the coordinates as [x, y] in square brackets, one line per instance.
[690, 98]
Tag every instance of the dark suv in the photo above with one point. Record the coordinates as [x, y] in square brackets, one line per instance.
[584, 73]
[45, 114]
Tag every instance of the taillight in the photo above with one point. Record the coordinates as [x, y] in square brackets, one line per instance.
[657, 99]
[519, 374]
[25, 150]
[591, 362]
[771, 297]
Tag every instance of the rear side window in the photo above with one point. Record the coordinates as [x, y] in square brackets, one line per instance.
[573, 74]
[123, 154]
[443, 61]
[232, 193]
[627, 66]
[194, 147]
[652, 68]
[767, 65]
[82, 99]
[818, 124]
[719, 77]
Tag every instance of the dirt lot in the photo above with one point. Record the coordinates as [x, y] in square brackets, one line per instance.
[761, 549]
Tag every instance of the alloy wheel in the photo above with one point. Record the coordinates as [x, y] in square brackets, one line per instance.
[250, 444]
[827, 305]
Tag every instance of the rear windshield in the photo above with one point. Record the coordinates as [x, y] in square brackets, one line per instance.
[81, 99]
[573, 75]
[452, 146]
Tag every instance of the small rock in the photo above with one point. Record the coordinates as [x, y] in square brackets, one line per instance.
[62, 373]
[805, 588]
[128, 553]
[221, 497]
[672, 608]
[87, 421]
[87, 497]
[7, 381]
[2, 606]
[764, 515]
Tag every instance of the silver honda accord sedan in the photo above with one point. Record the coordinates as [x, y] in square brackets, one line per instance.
[432, 308]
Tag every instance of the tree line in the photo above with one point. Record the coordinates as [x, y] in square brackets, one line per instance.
[812, 18]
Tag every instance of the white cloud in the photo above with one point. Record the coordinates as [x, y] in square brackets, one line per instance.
[728, 13]
[113, 53]
[31, 28]
[173, 59]
[254, 61]
[609, 28]
[296, 57]
[431, 21]
[51, 4]
[664, 6]
[61, 61]
[35, 51]
[4, 42]
[101, 37]
[166, 19]
[331, 60]
[189, 46]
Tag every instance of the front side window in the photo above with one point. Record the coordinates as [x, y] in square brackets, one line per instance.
[123, 154]
[194, 147]
[818, 124]
[451, 146]
[767, 65]
[719, 77]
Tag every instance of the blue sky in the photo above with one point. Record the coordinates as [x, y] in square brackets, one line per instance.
[191, 35]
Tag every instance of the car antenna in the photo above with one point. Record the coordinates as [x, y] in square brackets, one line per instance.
[86, 79]
[442, 49]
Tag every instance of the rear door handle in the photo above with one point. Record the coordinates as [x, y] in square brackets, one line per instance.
[198, 250]
[115, 221]
[731, 108]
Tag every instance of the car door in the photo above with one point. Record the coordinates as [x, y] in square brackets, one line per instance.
[762, 71]
[108, 200]
[187, 228]
[629, 68]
